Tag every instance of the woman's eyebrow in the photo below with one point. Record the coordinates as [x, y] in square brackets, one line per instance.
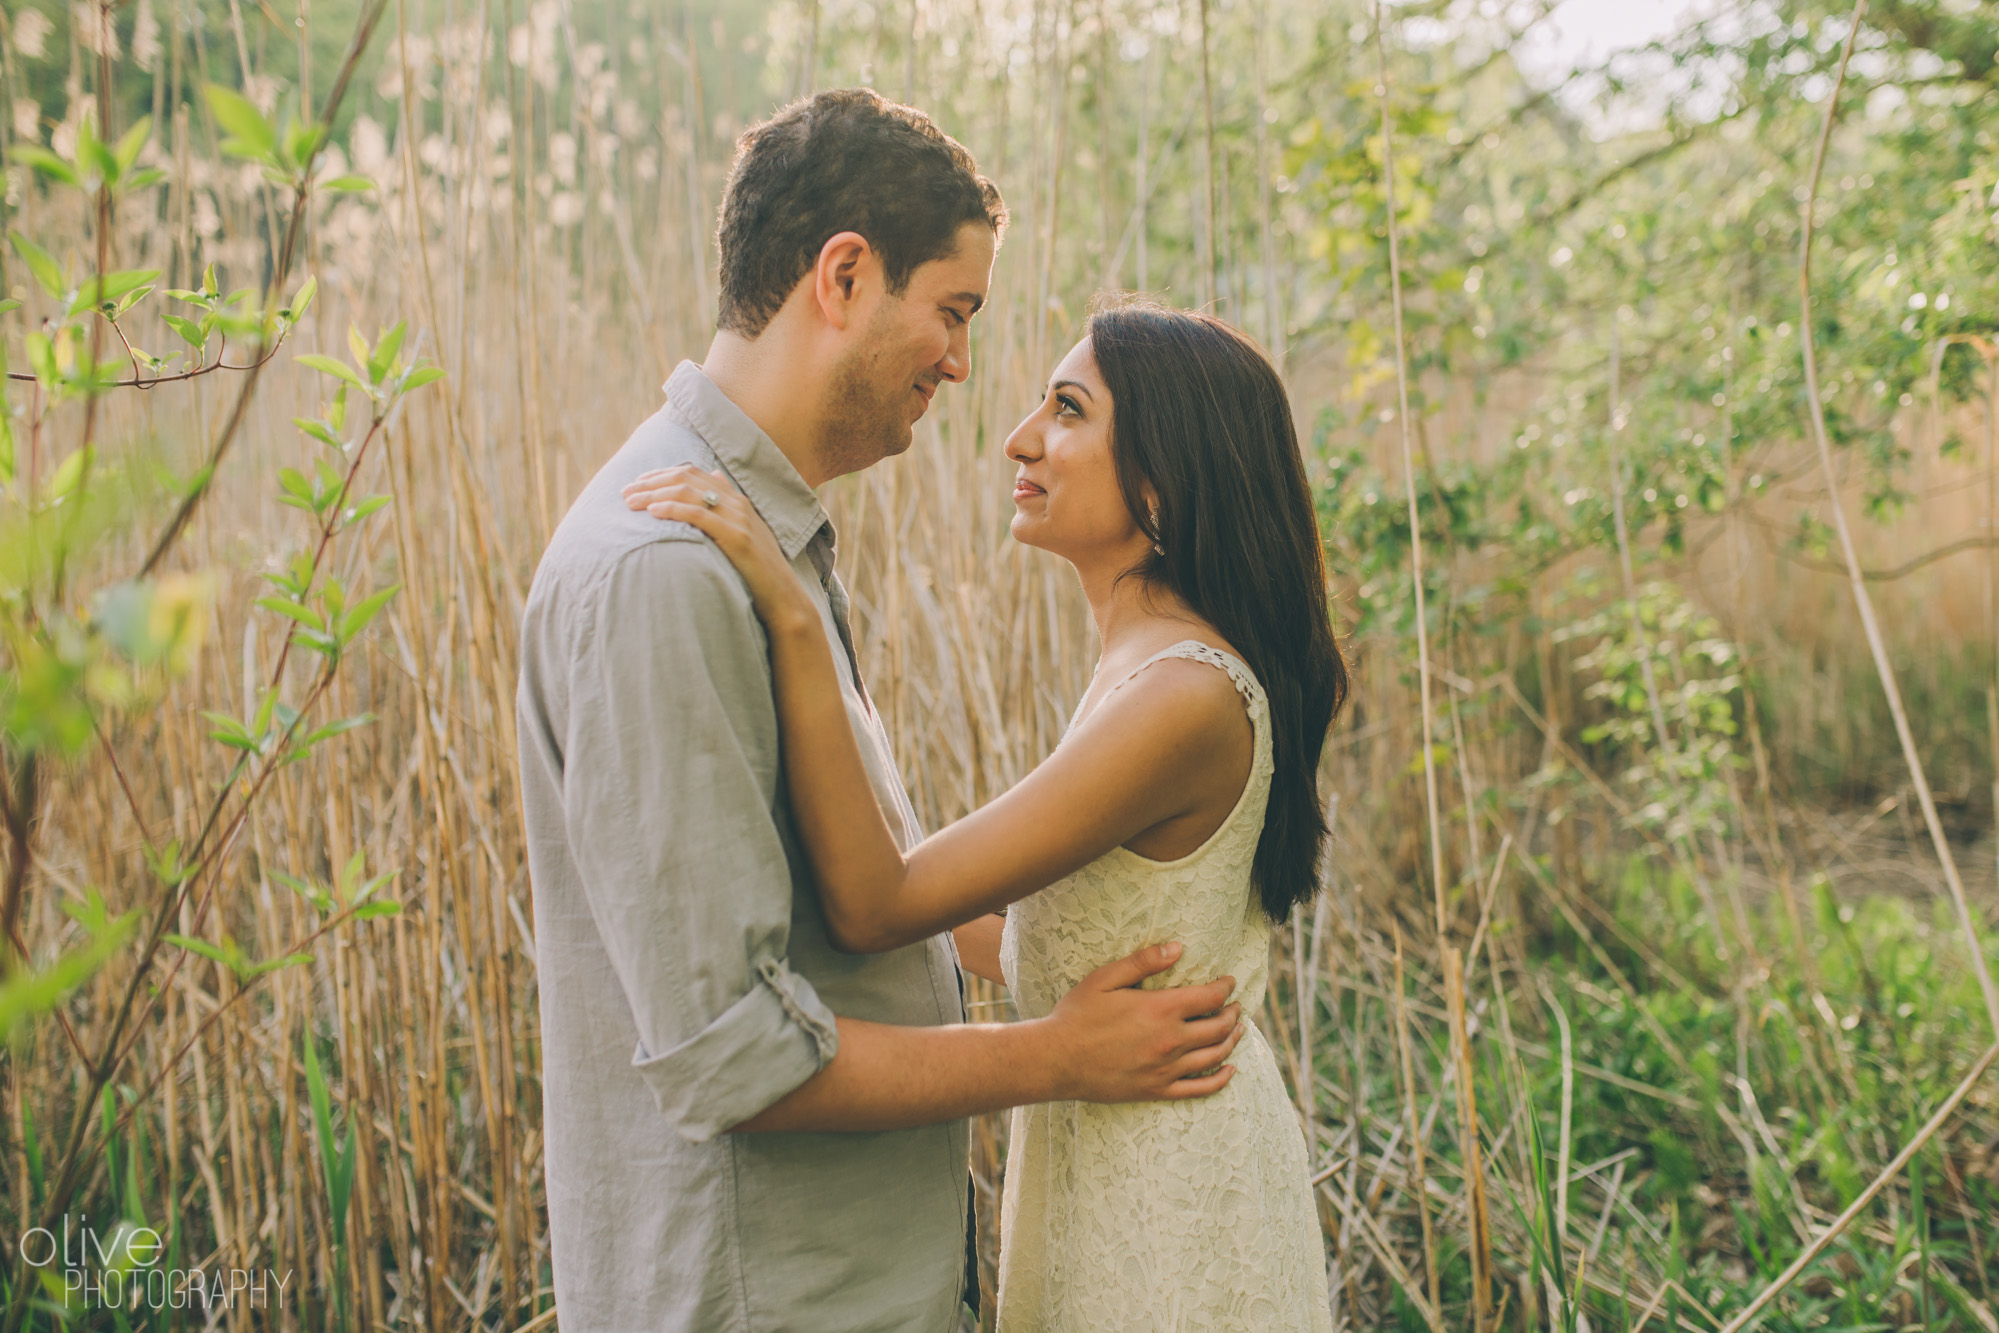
[1071, 384]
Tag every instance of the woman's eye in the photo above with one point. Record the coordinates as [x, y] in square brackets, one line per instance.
[1064, 404]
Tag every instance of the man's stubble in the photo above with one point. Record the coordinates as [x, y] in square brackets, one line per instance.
[866, 415]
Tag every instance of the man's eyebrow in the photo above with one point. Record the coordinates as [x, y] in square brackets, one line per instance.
[1071, 384]
[973, 299]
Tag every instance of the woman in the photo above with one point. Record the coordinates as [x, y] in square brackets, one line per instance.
[1181, 805]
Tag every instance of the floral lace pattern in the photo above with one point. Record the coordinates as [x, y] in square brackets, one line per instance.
[1161, 1215]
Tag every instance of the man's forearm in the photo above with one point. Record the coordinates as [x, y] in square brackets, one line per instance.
[888, 1077]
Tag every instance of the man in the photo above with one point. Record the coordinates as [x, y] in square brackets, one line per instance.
[746, 1129]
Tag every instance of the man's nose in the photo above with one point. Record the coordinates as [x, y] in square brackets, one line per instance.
[957, 363]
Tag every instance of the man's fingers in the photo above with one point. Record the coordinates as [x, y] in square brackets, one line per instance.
[1185, 1089]
[1207, 1057]
[1193, 1001]
[1134, 968]
[1201, 1032]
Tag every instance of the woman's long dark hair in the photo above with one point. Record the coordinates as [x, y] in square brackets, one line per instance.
[1199, 414]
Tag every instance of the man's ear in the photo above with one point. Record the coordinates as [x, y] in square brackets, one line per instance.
[846, 268]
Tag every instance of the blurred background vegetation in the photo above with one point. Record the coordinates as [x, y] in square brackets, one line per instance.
[1699, 978]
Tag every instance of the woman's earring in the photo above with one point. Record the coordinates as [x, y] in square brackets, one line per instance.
[1153, 511]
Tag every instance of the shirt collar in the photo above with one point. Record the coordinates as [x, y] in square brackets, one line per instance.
[752, 460]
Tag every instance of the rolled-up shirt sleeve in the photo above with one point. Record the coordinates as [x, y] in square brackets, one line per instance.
[670, 784]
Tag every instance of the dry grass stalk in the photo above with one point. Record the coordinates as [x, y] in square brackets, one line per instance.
[1471, 1152]
[1418, 1179]
[1751, 1313]
[1409, 480]
[1876, 643]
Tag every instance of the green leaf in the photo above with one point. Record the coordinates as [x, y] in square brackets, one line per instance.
[326, 485]
[313, 893]
[319, 430]
[92, 152]
[9, 304]
[356, 513]
[369, 911]
[250, 135]
[421, 376]
[303, 301]
[190, 332]
[42, 357]
[167, 865]
[294, 482]
[111, 286]
[144, 177]
[231, 732]
[6, 417]
[134, 139]
[298, 611]
[128, 300]
[40, 263]
[301, 140]
[347, 184]
[335, 1159]
[343, 726]
[384, 355]
[365, 610]
[202, 947]
[68, 474]
[28, 993]
[272, 965]
[326, 365]
[42, 160]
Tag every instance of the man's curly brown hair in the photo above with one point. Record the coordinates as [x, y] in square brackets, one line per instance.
[843, 160]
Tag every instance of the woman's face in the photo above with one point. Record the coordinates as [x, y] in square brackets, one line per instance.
[1066, 498]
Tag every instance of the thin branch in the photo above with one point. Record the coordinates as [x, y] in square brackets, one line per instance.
[1900, 571]
[205, 478]
[179, 376]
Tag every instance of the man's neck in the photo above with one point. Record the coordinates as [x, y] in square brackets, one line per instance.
[761, 377]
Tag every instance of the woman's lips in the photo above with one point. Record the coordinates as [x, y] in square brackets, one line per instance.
[1023, 489]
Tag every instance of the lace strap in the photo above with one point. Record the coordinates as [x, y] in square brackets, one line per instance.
[1238, 672]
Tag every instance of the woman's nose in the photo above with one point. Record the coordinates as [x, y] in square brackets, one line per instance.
[1024, 445]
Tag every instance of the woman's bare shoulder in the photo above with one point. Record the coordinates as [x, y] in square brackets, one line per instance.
[1188, 698]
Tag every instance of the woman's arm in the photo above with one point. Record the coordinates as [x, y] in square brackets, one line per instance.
[979, 945]
[1162, 746]
[1172, 741]
[854, 856]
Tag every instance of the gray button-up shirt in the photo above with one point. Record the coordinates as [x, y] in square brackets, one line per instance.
[685, 975]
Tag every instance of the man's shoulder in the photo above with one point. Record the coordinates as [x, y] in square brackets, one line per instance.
[599, 536]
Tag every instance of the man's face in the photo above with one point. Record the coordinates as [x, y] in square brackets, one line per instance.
[912, 342]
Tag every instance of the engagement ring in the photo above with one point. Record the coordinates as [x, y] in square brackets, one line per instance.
[710, 499]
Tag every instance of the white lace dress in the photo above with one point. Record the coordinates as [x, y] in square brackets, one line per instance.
[1161, 1215]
